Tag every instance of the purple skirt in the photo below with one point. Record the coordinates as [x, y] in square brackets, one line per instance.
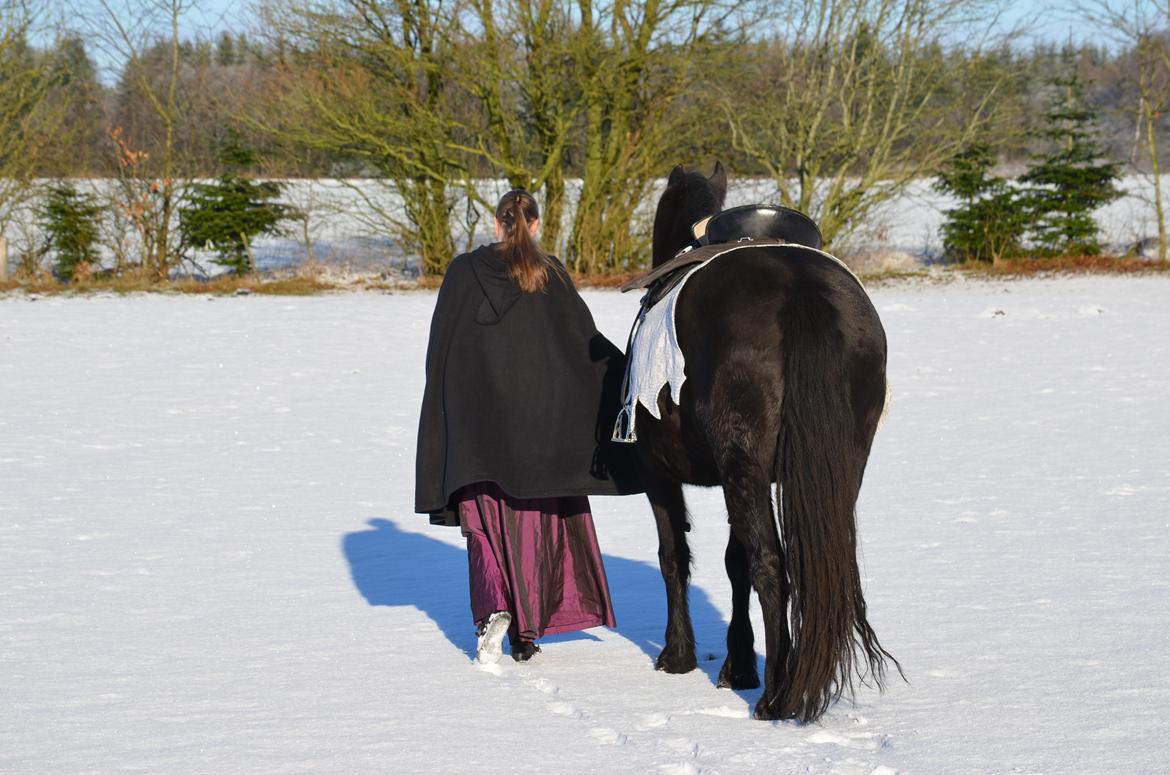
[535, 557]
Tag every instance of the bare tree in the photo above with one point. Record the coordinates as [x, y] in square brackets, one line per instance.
[1143, 26]
[855, 99]
[145, 36]
[28, 118]
[514, 63]
[370, 81]
[635, 59]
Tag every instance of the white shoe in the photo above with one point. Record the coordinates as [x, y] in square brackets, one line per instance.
[490, 645]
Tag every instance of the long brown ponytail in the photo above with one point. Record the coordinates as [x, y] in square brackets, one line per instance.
[526, 261]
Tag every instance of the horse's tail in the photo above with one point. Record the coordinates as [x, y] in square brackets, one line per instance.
[820, 459]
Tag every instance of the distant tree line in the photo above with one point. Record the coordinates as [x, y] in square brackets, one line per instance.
[841, 103]
[1048, 209]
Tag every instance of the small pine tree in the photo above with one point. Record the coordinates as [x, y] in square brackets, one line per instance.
[70, 221]
[988, 224]
[229, 213]
[1072, 181]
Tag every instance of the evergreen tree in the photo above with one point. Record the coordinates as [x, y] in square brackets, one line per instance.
[70, 221]
[1071, 181]
[225, 50]
[988, 223]
[228, 214]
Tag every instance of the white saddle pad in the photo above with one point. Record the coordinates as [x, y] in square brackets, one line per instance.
[655, 358]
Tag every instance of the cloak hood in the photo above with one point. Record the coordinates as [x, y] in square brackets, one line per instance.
[521, 390]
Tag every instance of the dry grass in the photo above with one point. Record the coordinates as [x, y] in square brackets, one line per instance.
[285, 286]
[1033, 267]
[309, 281]
[890, 276]
[306, 281]
[127, 284]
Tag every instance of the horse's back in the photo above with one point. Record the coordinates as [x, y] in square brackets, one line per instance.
[739, 300]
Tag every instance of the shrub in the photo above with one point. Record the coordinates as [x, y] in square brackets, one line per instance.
[70, 221]
[988, 223]
[228, 214]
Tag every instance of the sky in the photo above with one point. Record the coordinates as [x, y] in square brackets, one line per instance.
[1052, 20]
[205, 19]
[1046, 20]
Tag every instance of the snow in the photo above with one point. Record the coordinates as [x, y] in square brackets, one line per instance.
[345, 228]
[350, 223]
[208, 560]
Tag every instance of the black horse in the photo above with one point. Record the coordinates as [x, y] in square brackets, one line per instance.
[785, 383]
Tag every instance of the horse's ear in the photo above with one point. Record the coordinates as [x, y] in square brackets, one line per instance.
[676, 176]
[718, 180]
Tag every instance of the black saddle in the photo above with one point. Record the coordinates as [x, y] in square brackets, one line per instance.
[760, 224]
[759, 221]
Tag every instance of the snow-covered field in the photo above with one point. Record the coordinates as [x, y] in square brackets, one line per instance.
[209, 564]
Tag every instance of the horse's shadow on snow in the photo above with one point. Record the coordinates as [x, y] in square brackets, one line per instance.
[395, 567]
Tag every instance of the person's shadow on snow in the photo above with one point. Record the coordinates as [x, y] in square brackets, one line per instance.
[395, 567]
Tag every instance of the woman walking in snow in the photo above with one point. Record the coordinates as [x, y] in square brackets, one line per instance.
[520, 396]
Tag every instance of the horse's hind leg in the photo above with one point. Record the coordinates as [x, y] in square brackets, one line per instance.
[747, 492]
[674, 558]
[739, 669]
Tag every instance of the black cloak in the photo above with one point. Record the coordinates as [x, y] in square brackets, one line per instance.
[521, 390]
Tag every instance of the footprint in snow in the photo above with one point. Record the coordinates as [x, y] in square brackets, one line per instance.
[724, 711]
[543, 685]
[608, 736]
[653, 721]
[685, 768]
[860, 741]
[566, 709]
[490, 667]
[682, 745]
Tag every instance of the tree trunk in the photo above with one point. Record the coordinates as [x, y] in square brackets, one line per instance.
[1156, 170]
[585, 231]
[310, 256]
[163, 237]
[163, 247]
[554, 210]
[248, 253]
[3, 258]
[426, 205]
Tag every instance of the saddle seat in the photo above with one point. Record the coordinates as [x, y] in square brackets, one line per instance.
[758, 224]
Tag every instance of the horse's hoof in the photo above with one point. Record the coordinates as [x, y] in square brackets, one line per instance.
[731, 679]
[766, 710]
[673, 663]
